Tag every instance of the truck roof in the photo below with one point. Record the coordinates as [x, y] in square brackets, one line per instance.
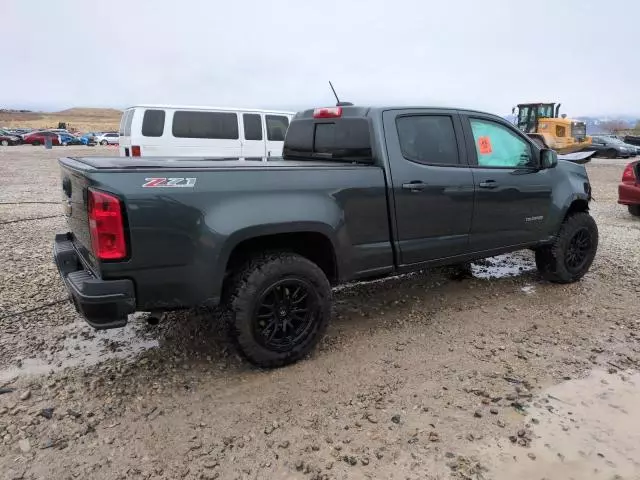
[364, 111]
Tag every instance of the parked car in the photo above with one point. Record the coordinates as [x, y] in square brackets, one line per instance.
[634, 149]
[108, 139]
[165, 130]
[609, 147]
[66, 139]
[89, 138]
[39, 138]
[359, 193]
[629, 188]
[6, 139]
[632, 140]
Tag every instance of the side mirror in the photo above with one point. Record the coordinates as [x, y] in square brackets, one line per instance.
[548, 158]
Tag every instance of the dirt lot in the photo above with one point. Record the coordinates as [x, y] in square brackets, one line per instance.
[499, 376]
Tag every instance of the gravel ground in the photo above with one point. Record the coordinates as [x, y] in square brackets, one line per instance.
[424, 376]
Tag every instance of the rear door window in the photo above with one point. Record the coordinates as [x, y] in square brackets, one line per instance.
[277, 126]
[428, 139]
[153, 123]
[211, 125]
[252, 126]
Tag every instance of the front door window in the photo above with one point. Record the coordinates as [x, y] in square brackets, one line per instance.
[497, 146]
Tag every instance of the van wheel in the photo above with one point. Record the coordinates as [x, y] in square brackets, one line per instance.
[570, 256]
[634, 210]
[104, 142]
[279, 308]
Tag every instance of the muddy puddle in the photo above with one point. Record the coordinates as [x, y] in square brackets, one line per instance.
[80, 345]
[581, 429]
[503, 266]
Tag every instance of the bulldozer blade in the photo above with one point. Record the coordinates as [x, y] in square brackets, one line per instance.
[578, 157]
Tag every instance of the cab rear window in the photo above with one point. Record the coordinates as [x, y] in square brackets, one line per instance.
[345, 138]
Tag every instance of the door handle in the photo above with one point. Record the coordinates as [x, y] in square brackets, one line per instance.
[488, 184]
[415, 186]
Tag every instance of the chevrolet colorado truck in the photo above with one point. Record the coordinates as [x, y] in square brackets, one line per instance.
[358, 193]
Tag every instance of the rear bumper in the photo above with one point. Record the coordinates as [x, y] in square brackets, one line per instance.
[629, 194]
[103, 303]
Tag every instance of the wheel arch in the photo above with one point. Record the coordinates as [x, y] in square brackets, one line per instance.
[315, 241]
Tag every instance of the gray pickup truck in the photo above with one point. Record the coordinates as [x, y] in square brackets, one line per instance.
[359, 193]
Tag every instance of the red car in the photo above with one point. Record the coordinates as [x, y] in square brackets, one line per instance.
[39, 138]
[629, 188]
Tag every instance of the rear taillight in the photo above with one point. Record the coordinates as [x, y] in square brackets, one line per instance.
[327, 112]
[106, 225]
[629, 175]
[135, 150]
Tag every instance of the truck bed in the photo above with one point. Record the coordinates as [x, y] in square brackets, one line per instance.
[197, 163]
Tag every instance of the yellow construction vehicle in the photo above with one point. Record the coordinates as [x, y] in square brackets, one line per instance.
[540, 121]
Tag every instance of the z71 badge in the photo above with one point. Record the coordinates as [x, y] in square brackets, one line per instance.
[169, 183]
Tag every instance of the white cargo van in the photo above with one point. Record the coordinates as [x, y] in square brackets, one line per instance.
[169, 130]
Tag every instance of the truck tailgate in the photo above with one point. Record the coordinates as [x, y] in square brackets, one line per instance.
[74, 201]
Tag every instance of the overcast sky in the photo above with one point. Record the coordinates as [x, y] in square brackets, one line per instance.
[485, 54]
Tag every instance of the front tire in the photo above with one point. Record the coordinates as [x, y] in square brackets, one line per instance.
[634, 210]
[612, 154]
[279, 308]
[5, 143]
[570, 256]
[104, 142]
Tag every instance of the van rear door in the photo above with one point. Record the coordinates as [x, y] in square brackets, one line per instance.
[277, 126]
[125, 132]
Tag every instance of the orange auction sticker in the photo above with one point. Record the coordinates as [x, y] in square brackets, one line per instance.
[484, 145]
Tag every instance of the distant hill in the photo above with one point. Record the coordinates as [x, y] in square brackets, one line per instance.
[81, 119]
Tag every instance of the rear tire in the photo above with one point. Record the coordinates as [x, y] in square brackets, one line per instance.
[611, 154]
[273, 296]
[570, 256]
[634, 210]
[5, 143]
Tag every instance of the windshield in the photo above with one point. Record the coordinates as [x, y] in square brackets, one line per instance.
[545, 111]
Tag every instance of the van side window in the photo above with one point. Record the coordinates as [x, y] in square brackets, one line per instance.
[252, 126]
[153, 123]
[215, 125]
[277, 126]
